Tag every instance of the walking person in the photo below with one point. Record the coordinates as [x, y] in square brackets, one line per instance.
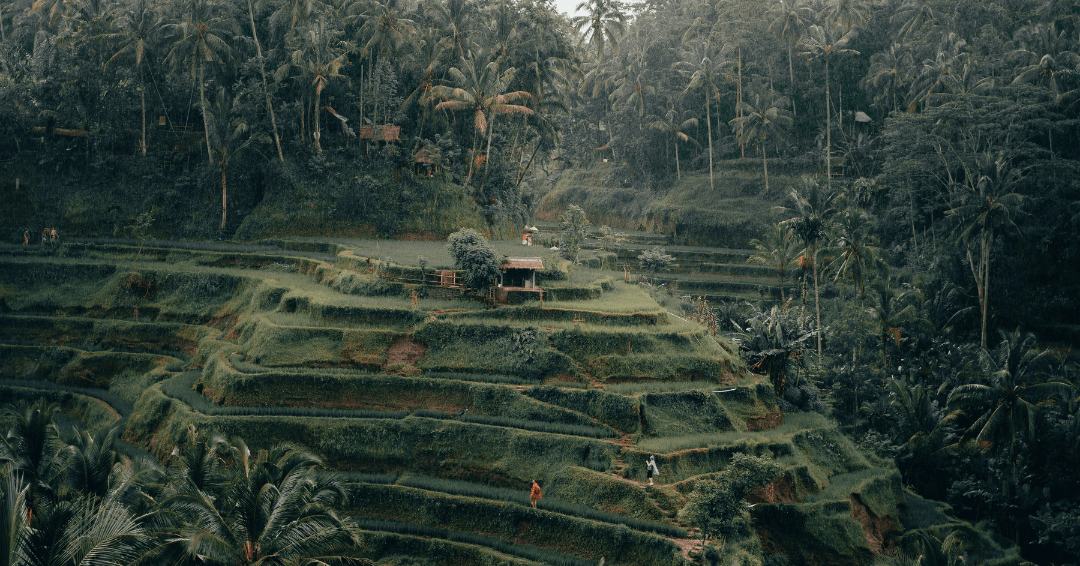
[26, 237]
[534, 494]
[44, 235]
[52, 234]
[651, 469]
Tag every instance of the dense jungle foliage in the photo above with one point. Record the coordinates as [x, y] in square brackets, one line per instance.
[927, 154]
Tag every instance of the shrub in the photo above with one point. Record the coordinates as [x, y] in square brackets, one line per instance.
[655, 260]
[473, 254]
[574, 226]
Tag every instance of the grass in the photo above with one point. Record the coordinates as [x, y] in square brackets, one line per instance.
[469, 489]
[506, 547]
[638, 387]
[479, 377]
[793, 424]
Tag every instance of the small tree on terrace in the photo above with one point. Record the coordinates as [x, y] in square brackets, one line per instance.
[655, 260]
[473, 254]
[718, 507]
[574, 226]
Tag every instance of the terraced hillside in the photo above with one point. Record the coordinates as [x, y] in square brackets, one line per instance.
[442, 409]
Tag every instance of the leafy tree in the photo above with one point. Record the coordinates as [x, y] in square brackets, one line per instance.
[231, 135]
[473, 254]
[320, 60]
[773, 340]
[718, 506]
[574, 226]
[140, 30]
[919, 425]
[858, 257]
[655, 260]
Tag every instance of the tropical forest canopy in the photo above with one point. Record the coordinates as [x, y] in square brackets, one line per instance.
[927, 154]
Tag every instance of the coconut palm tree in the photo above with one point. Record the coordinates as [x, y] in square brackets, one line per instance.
[810, 224]
[704, 64]
[140, 29]
[601, 26]
[270, 507]
[481, 90]
[987, 207]
[857, 257]
[231, 135]
[763, 120]
[32, 450]
[890, 309]
[888, 74]
[918, 425]
[262, 74]
[1004, 408]
[790, 20]
[201, 33]
[320, 60]
[674, 131]
[825, 44]
[780, 250]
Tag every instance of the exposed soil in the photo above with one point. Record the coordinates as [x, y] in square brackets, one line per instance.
[781, 490]
[771, 420]
[404, 351]
[881, 532]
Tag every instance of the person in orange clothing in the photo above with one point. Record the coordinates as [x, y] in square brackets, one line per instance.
[534, 494]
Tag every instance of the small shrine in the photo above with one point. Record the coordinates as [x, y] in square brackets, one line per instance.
[518, 279]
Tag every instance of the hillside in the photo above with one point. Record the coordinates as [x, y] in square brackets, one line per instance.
[440, 409]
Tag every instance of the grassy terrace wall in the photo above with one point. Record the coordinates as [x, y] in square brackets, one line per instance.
[225, 384]
[102, 333]
[436, 447]
[618, 544]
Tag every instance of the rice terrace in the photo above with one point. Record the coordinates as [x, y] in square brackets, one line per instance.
[438, 409]
[539, 282]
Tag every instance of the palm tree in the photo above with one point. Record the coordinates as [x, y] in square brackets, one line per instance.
[890, 310]
[320, 60]
[288, 14]
[917, 425]
[824, 44]
[385, 33]
[14, 517]
[888, 74]
[229, 139]
[140, 28]
[455, 16]
[790, 20]
[1005, 407]
[857, 256]
[33, 450]
[810, 224]
[778, 250]
[674, 131]
[201, 34]
[266, 87]
[601, 26]
[481, 90]
[704, 66]
[272, 507]
[936, 74]
[634, 82]
[987, 208]
[762, 121]
[846, 13]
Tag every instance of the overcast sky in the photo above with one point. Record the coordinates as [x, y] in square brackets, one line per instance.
[567, 6]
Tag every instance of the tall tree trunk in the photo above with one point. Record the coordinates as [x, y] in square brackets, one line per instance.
[142, 94]
[828, 159]
[206, 125]
[765, 164]
[678, 170]
[987, 241]
[738, 104]
[817, 300]
[223, 195]
[318, 133]
[708, 122]
[266, 89]
[487, 152]
[791, 73]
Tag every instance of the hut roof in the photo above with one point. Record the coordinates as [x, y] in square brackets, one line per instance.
[523, 263]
